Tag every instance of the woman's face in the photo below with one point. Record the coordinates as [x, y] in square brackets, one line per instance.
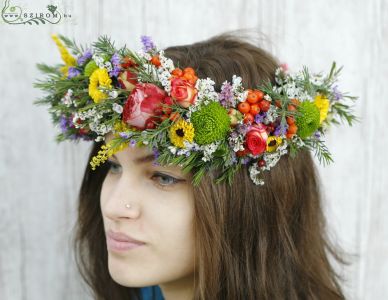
[160, 215]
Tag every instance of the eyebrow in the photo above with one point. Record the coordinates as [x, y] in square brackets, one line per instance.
[139, 160]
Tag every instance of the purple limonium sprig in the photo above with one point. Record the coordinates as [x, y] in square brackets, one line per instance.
[64, 123]
[124, 135]
[156, 155]
[243, 128]
[115, 60]
[280, 130]
[259, 118]
[245, 160]
[73, 72]
[226, 95]
[84, 57]
[132, 143]
[148, 44]
[337, 94]
[317, 134]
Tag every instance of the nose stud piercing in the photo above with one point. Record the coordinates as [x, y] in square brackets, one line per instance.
[127, 206]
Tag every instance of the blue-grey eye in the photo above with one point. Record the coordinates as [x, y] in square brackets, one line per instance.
[113, 167]
[164, 180]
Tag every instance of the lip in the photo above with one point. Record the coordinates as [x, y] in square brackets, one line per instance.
[118, 241]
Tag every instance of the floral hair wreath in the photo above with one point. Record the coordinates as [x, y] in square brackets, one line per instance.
[143, 99]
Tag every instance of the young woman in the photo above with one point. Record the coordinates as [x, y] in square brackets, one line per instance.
[211, 241]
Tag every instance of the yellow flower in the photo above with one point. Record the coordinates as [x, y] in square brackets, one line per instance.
[99, 77]
[181, 131]
[323, 104]
[120, 126]
[67, 58]
[106, 151]
[273, 142]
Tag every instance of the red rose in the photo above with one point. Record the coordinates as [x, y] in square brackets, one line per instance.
[142, 103]
[127, 80]
[183, 92]
[256, 139]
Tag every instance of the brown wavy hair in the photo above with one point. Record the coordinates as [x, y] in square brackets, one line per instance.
[252, 242]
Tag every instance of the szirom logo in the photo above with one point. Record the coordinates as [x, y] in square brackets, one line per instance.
[15, 15]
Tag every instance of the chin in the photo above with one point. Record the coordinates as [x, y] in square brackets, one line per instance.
[126, 276]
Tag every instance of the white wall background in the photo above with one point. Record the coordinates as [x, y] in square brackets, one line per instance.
[39, 179]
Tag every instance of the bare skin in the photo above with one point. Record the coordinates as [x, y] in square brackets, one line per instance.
[161, 216]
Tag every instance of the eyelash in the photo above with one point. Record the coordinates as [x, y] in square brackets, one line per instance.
[174, 180]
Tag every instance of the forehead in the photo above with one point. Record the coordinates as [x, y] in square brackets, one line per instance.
[131, 152]
[136, 154]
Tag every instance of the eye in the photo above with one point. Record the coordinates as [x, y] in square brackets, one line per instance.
[114, 168]
[164, 180]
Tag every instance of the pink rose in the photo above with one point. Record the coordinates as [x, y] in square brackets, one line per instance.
[256, 139]
[143, 103]
[183, 92]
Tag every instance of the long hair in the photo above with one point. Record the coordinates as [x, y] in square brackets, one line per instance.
[252, 242]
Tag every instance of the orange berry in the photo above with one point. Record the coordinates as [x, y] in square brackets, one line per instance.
[290, 120]
[289, 135]
[260, 94]
[292, 128]
[252, 97]
[244, 107]
[255, 109]
[291, 107]
[278, 103]
[264, 105]
[248, 118]
[295, 101]
[155, 60]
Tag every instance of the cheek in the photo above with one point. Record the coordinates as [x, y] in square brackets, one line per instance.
[105, 190]
[175, 242]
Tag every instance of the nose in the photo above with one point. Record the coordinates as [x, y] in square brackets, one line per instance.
[117, 194]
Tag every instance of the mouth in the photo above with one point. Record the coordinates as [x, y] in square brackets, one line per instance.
[120, 242]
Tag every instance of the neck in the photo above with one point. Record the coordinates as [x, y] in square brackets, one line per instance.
[183, 289]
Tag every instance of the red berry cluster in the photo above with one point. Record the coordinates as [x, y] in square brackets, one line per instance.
[253, 104]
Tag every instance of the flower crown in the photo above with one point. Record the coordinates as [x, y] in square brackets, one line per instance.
[143, 99]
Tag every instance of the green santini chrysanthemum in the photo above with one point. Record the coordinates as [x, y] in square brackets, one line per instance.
[308, 121]
[211, 123]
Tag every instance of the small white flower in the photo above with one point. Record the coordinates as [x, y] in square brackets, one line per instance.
[113, 94]
[267, 97]
[108, 66]
[254, 174]
[144, 55]
[117, 108]
[271, 115]
[208, 150]
[317, 80]
[172, 149]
